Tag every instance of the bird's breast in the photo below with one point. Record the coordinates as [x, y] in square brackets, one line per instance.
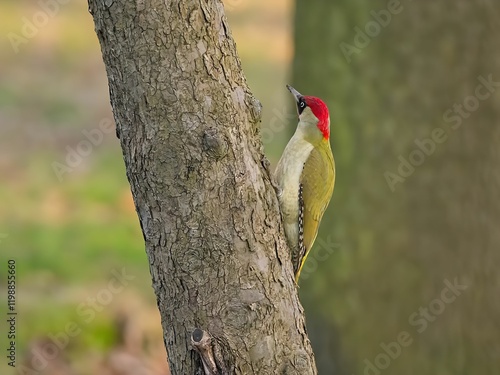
[288, 174]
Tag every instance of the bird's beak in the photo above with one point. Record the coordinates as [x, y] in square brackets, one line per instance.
[294, 92]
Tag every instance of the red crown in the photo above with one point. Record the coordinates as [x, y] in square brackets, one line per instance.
[320, 110]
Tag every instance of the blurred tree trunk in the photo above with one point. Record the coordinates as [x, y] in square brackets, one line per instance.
[399, 244]
[454, 193]
[189, 130]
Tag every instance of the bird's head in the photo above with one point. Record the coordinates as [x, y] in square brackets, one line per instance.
[313, 115]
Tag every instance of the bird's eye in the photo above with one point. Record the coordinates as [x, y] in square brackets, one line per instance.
[301, 105]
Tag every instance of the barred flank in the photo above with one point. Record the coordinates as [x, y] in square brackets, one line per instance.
[301, 251]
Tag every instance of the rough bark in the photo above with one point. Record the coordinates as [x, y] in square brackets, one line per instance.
[189, 130]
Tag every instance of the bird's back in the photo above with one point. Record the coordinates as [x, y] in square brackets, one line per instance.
[317, 180]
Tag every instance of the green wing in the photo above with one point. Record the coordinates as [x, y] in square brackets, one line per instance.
[318, 179]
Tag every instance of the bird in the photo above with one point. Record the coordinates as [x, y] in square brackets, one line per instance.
[305, 177]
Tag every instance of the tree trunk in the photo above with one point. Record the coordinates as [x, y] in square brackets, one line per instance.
[454, 194]
[189, 130]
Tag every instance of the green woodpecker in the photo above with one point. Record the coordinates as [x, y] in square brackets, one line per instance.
[305, 176]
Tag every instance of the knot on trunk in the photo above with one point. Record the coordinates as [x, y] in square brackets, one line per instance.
[214, 144]
[214, 353]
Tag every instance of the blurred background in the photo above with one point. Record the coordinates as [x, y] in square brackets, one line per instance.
[404, 274]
